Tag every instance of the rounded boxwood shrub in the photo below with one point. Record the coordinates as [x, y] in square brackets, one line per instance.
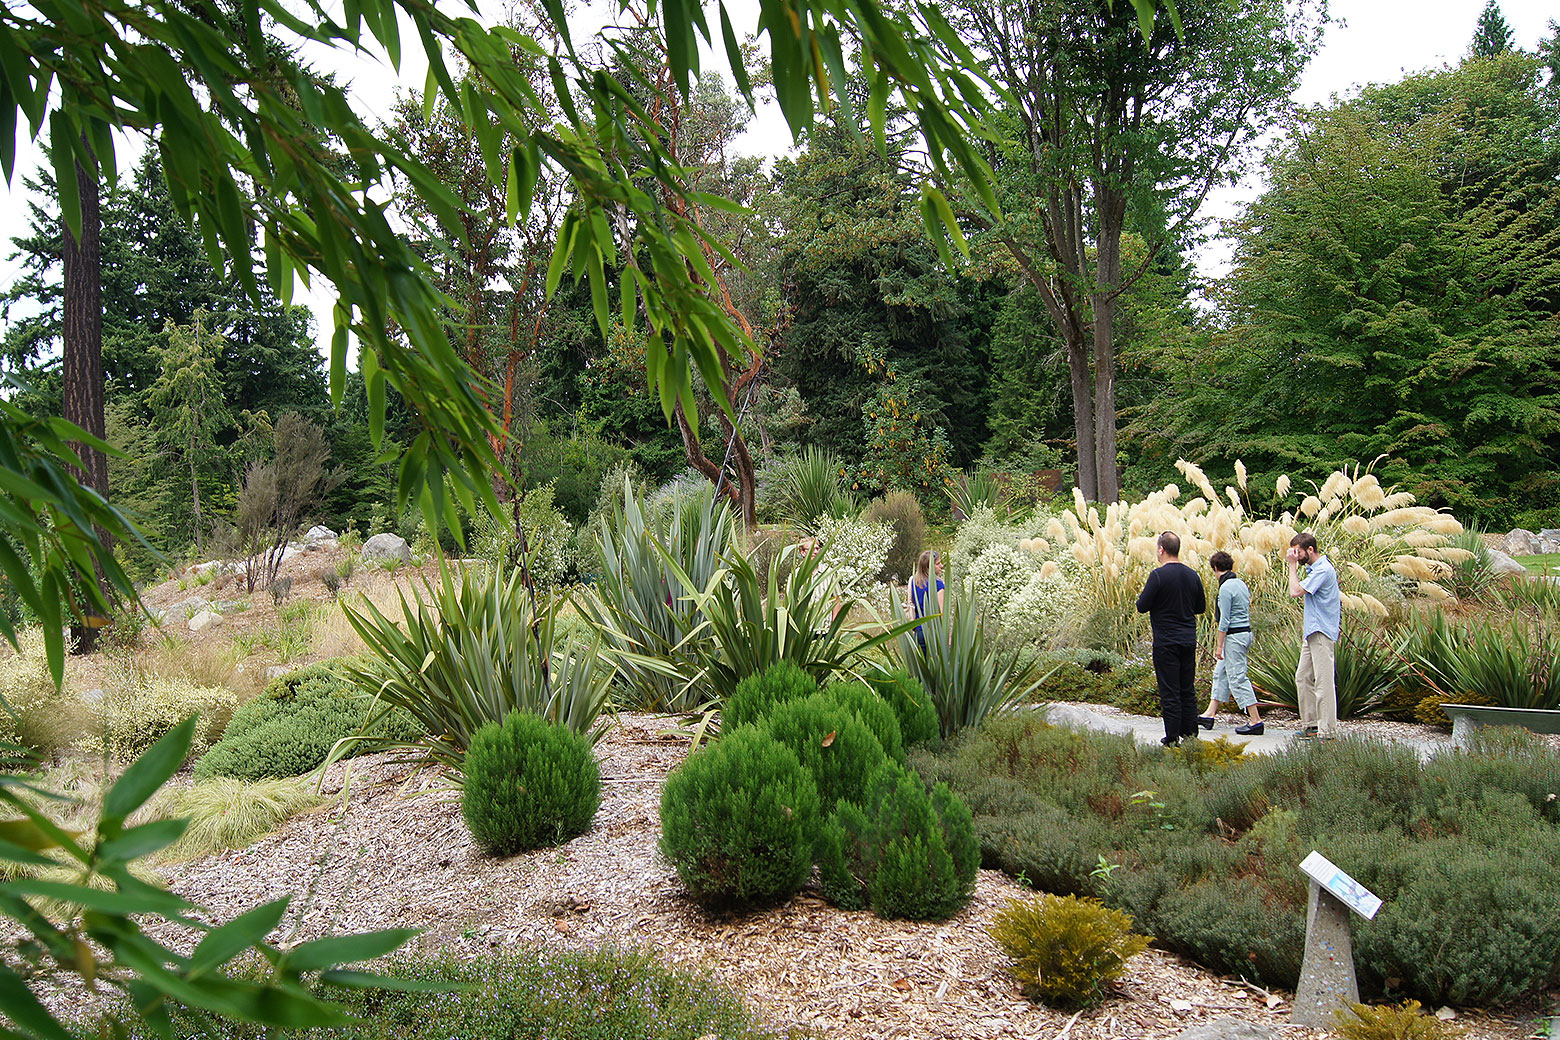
[833, 745]
[292, 725]
[739, 819]
[910, 701]
[874, 712]
[529, 783]
[757, 695]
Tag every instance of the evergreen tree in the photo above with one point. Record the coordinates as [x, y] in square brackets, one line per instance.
[1492, 36]
[187, 406]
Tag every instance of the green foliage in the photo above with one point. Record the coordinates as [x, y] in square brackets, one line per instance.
[1386, 1022]
[873, 712]
[1462, 849]
[758, 695]
[901, 851]
[139, 707]
[905, 694]
[904, 449]
[757, 622]
[966, 676]
[529, 783]
[1365, 671]
[812, 485]
[836, 748]
[469, 654]
[650, 558]
[1215, 755]
[1473, 577]
[1066, 950]
[227, 814]
[34, 712]
[528, 994]
[549, 538]
[738, 821]
[113, 917]
[1099, 677]
[291, 727]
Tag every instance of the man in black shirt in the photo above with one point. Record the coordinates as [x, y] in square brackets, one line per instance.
[1172, 598]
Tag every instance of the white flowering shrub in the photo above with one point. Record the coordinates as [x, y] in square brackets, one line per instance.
[854, 551]
[983, 530]
[997, 573]
[1037, 612]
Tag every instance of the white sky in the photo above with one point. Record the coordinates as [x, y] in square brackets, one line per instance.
[1368, 41]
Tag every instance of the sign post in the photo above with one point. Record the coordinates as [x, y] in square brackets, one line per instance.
[1327, 979]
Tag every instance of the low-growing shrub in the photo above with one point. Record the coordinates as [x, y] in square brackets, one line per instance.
[1066, 950]
[836, 748]
[292, 725]
[36, 714]
[138, 708]
[1408, 1022]
[758, 695]
[1366, 672]
[902, 513]
[529, 783]
[527, 995]
[905, 694]
[739, 819]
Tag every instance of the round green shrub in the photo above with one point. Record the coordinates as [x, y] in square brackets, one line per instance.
[739, 820]
[528, 783]
[291, 726]
[757, 695]
[904, 852]
[1066, 950]
[873, 711]
[902, 512]
[910, 701]
[834, 746]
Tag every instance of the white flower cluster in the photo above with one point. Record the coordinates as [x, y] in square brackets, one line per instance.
[854, 553]
[1037, 611]
[998, 573]
[983, 530]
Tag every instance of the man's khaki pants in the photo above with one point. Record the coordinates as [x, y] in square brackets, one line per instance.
[1314, 683]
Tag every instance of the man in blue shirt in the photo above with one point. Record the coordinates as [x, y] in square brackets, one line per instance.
[1323, 604]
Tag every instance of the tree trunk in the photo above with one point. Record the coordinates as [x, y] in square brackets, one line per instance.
[1083, 417]
[1112, 209]
[82, 364]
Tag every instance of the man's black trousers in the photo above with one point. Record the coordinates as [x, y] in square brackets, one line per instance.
[1175, 668]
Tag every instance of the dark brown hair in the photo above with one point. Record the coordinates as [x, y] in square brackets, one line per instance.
[1221, 561]
[1305, 540]
[1170, 542]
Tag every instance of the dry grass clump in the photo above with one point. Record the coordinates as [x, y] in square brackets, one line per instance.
[42, 718]
[139, 706]
[334, 636]
[230, 814]
[203, 663]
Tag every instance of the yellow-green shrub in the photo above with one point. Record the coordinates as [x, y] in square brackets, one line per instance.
[138, 708]
[1066, 950]
[1361, 1022]
[45, 719]
[232, 814]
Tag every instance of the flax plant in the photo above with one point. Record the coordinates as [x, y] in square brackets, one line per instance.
[470, 653]
[654, 635]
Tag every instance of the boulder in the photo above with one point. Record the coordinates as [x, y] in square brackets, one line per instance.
[1227, 1029]
[189, 607]
[204, 620]
[383, 548]
[1521, 543]
[1500, 563]
[320, 534]
[276, 671]
[1548, 540]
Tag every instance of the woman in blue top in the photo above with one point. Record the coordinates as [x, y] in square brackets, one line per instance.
[921, 584]
[1233, 614]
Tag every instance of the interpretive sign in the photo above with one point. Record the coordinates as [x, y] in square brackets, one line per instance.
[1353, 894]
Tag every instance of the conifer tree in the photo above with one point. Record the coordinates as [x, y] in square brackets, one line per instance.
[1493, 35]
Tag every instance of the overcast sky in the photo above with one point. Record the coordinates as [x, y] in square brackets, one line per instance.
[1368, 41]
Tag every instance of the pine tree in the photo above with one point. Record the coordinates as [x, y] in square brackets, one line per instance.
[1493, 35]
[187, 401]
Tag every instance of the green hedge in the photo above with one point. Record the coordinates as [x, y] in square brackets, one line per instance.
[290, 727]
[1464, 850]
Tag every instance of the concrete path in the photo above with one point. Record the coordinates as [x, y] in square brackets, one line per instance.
[1149, 729]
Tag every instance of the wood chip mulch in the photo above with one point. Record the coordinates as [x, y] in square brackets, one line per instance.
[395, 853]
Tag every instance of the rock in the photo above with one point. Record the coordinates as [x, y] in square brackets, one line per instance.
[189, 607]
[276, 671]
[1500, 563]
[1227, 1029]
[1548, 540]
[320, 534]
[204, 620]
[1521, 543]
[382, 548]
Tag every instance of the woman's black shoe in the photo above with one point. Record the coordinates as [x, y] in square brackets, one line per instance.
[1205, 721]
[1253, 730]
[1169, 741]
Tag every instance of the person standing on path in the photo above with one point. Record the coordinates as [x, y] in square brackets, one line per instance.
[1232, 617]
[1323, 604]
[1172, 598]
